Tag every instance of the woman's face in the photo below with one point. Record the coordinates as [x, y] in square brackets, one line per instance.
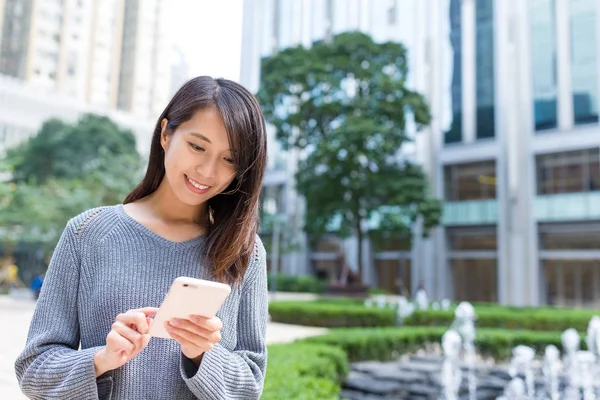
[198, 161]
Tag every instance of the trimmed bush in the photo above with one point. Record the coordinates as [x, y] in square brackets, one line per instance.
[334, 313]
[387, 343]
[540, 319]
[330, 314]
[296, 284]
[302, 371]
[314, 368]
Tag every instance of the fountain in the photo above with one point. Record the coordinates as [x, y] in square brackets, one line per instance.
[521, 364]
[421, 299]
[515, 390]
[451, 375]
[550, 370]
[465, 325]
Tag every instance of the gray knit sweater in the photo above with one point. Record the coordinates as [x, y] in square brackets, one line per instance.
[107, 263]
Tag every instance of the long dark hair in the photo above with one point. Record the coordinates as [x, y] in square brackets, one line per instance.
[233, 214]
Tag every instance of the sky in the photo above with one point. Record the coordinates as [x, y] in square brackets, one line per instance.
[209, 33]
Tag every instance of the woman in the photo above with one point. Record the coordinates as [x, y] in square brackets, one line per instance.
[194, 214]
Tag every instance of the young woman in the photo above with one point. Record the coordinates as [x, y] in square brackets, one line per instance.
[194, 214]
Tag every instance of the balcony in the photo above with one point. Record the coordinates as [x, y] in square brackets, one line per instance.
[567, 207]
[470, 212]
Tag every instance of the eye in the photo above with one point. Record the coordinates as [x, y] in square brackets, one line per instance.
[230, 160]
[195, 147]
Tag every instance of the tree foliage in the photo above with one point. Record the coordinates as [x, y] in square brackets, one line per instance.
[62, 171]
[346, 106]
[68, 151]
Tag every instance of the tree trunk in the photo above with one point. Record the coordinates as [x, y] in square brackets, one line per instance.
[359, 236]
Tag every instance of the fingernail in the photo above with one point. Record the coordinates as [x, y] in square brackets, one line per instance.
[175, 322]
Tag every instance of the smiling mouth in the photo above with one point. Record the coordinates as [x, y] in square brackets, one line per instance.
[200, 187]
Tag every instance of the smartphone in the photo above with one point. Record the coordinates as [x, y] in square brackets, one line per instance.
[186, 297]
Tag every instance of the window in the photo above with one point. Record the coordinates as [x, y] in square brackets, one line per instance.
[475, 280]
[484, 21]
[472, 181]
[543, 62]
[580, 236]
[572, 283]
[472, 239]
[584, 61]
[568, 172]
[454, 133]
[473, 262]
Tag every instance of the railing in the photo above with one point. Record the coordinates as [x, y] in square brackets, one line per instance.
[470, 212]
[567, 207]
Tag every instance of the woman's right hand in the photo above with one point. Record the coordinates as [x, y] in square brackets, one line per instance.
[127, 338]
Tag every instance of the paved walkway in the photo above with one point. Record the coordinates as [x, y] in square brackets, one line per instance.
[15, 315]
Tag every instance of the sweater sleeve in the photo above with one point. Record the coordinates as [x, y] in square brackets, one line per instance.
[237, 374]
[51, 366]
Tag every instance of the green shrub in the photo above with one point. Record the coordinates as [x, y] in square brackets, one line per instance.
[387, 343]
[536, 319]
[303, 371]
[330, 314]
[344, 312]
[296, 284]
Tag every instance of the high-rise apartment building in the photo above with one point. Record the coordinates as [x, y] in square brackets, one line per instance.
[108, 53]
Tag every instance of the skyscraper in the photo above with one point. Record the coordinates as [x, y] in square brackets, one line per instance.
[108, 53]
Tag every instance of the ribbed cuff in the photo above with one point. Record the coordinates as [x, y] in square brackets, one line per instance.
[209, 374]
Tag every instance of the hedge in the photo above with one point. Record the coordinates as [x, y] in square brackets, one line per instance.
[329, 314]
[296, 284]
[302, 371]
[313, 368]
[334, 313]
[387, 343]
[541, 319]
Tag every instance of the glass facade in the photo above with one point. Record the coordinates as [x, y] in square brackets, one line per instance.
[474, 276]
[568, 172]
[394, 276]
[454, 134]
[543, 62]
[584, 65]
[570, 282]
[581, 236]
[484, 25]
[471, 181]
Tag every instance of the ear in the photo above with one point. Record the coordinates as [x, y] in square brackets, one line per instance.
[163, 133]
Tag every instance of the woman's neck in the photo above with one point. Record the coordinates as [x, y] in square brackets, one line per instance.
[164, 204]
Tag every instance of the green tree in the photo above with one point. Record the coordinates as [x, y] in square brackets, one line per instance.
[73, 174]
[346, 105]
[64, 151]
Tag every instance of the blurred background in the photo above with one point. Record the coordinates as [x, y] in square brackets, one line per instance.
[479, 181]
[511, 147]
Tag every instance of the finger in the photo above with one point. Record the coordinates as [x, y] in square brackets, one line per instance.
[190, 336]
[117, 343]
[134, 319]
[189, 326]
[185, 342]
[211, 336]
[147, 311]
[133, 336]
[210, 324]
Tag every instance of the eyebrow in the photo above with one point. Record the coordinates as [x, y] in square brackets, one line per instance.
[201, 137]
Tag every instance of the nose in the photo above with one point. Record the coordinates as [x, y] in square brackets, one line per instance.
[208, 169]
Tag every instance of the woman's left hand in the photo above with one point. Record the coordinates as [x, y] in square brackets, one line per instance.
[195, 335]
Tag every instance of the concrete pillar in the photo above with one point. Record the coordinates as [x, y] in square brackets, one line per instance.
[469, 71]
[563, 67]
[504, 50]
